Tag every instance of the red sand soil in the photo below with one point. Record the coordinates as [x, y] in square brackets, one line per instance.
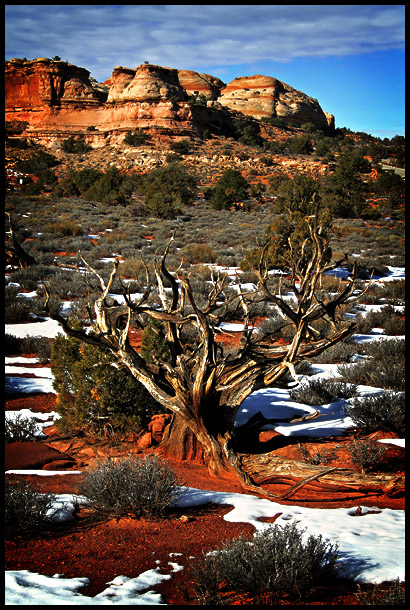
[102, 548]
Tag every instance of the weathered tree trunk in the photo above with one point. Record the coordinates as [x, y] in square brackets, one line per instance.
[200, 384]
[179, 442]
[265, 469]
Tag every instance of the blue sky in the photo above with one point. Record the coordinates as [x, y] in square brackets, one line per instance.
[349, 57]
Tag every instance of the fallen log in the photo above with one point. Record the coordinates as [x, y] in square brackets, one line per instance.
[265, 469]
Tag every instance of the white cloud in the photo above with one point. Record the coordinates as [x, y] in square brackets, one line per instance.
[195, 36]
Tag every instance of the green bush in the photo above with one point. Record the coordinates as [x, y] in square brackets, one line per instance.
[36, 163]
[93, 394]
[181, 147]
[230, 190]
[278, 561]
[73, 146]
[131, 486]
[167, 190]
[137, 138]
[26, 511]
[154, 345]
[386, 412]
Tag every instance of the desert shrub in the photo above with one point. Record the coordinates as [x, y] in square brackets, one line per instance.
[322, 391]
[318, 456]
[366, 453]
[19, 429]
[93, 394]
[384, 367]
[137, 138]
[167, 190]
[379, 596]
[386, 412]
[392, 293]
[230, 190]
[199, 253]
[181, 147]
[11, 344]
[137, 486]
[386, 318]
[65, 227]
[73, 146]
[28, 278]
[16, 312]
[36, 163]
[26, 511]
[395, 292]
[28, 345]
[37, 345]
[278, 561]
[340, 352]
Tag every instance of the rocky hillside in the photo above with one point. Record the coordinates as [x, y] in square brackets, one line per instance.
[57, 99]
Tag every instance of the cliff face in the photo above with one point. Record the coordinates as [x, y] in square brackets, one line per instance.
[57, 97]
[263, 96]
[44, 82]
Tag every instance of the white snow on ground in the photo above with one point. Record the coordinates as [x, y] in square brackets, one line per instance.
[49, 328]
[371, 549]
[371, 546]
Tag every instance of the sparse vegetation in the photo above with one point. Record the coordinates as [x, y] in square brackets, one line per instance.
[383, 367]
[135, 217]
[378, 595]
[136, 486]
[19, 429]
[276, 562]
[385, 411]
[322, 391]
[26, 511]
[366, 453]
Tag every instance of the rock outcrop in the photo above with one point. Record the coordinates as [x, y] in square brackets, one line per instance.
[263, 97]
[58, 99]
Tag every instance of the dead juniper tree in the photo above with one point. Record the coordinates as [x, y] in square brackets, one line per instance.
[199, 382]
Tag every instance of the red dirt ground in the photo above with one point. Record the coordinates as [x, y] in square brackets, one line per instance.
[102, 549]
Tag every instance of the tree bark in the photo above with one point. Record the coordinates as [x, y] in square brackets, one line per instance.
[180, 443]
[265, 469]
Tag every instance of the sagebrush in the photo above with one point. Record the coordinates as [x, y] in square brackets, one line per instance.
[278, 561]
[137, 486]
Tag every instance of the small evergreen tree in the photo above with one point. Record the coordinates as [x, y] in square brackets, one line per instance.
[230, 190]
[137, 138]
[167, 190]
[154, 344]
[93, 394]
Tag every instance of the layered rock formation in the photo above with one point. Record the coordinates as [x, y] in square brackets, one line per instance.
[56, 98]
[263, 97]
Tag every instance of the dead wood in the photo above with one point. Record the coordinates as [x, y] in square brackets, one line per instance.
[266, 469]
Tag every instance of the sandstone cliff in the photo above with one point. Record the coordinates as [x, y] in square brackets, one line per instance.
[263, 96]
[56, 98]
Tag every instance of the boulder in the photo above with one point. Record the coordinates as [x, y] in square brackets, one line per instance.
[157, 426]
[34, 456]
